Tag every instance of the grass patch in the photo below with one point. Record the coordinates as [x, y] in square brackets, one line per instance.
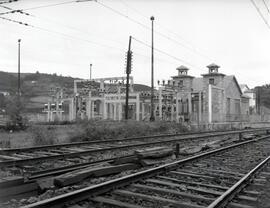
[37, 135]
[17, 139]
[42, 135]
[100, 130]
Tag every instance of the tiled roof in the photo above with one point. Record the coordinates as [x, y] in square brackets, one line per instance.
[182, 67]
[213, 65]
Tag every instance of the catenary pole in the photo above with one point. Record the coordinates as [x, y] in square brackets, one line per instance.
[19, 67]
[152, 117]
[128, 71]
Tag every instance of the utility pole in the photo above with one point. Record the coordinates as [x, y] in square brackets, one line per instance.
[152, 117]
[90, 71]
[19, 67]
[128, 71]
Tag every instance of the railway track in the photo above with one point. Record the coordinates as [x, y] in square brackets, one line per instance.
[24, 156]
[213, 179]
[15, 186]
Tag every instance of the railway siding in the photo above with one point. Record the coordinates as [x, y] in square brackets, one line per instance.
[152, 195]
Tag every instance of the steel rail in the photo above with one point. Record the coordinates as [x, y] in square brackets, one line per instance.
[67, 155]
[85, 193]
[227, 196]
[11, 150]
[64, 169]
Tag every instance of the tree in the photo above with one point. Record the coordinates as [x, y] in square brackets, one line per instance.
[14, 109]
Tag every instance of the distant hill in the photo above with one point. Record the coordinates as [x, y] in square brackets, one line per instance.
[7, 82]
[36, 82]
[37, 88]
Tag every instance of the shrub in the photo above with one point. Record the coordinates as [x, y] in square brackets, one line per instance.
[98, 130]
[14, 110]
[5, 139]
[42, 135]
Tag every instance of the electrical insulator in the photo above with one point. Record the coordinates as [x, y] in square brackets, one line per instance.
[53, 107]
[46, 107]
[60, 106]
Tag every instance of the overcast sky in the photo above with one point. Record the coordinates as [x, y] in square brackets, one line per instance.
[66, 38]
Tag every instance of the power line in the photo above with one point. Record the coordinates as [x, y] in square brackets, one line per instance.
[72, 37]
[62, 34]
[8, 1]
[81, 39]
[258, 10]
[15, 11]
[73, 28]
[266, 6]
[6, 7]
[15, 21]
[169, 30]
[39, 7]
[115, 11]
[47, 30]
[57, 23]
[49, 5]
[165, 53]
[157, 32]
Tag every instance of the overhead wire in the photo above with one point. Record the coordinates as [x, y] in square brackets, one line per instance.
[115, 11]
[39, 7]
[15, 11]
[163, 52]
[266, 6]
[6, 7]
[260, 13]
[191, 47]
[75, 29]
[47, 30]
[81, 39]
[86, 40]
[155, 31]
[8, 1]
[60, 33]
[15, 21]
[55, 22]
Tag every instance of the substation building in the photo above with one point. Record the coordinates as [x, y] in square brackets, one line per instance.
[214, 97]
